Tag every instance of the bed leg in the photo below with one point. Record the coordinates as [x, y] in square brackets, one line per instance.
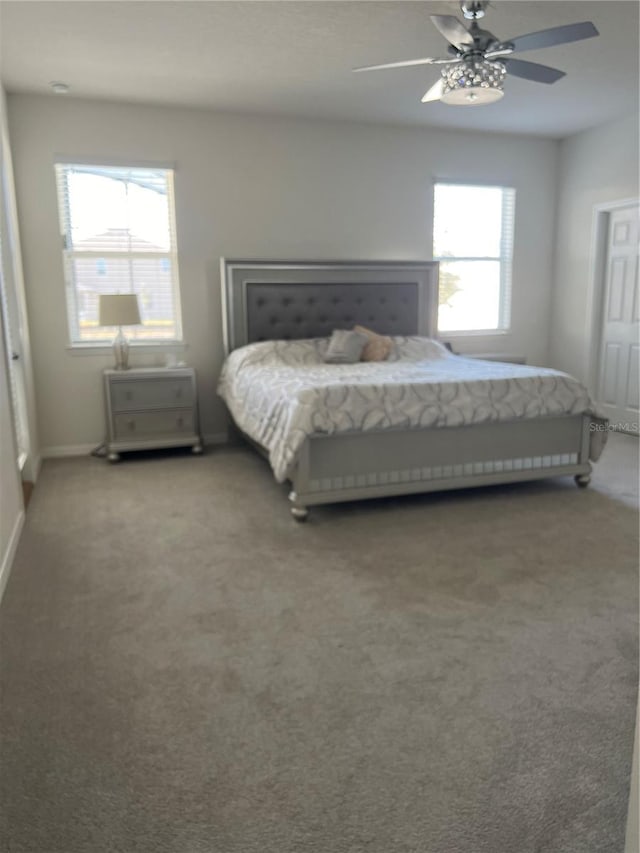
[298, 511]
[582, 480]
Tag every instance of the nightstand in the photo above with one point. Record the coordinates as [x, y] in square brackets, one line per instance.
[150, 408]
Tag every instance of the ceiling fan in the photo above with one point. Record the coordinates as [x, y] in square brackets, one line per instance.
[478, 63]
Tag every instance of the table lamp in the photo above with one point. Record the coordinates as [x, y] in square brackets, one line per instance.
[119, 309]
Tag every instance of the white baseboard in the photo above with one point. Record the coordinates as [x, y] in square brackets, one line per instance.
[37, 465]
[67, 450]
[9, 554]
[31, 468]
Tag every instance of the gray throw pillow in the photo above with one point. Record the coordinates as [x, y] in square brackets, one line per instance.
[345, 347]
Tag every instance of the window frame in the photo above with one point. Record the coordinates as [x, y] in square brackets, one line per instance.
[505, 258]
[69, 255]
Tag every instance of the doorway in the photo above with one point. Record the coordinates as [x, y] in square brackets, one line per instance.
[615, 374]
[14, 318]
[14, 361]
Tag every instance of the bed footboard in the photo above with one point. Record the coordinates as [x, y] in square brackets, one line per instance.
[354, 466]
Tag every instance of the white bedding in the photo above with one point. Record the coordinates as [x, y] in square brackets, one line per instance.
[280, 392]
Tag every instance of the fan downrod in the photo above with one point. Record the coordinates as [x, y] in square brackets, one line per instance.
[473, 9]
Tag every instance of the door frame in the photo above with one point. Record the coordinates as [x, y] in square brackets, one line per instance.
[596, 287]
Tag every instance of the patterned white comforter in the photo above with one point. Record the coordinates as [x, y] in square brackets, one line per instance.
[280, 392]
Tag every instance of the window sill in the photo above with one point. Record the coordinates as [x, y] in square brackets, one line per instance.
[141, 349]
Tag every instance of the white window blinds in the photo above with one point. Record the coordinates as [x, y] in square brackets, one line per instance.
[473, 241]
[119, 237]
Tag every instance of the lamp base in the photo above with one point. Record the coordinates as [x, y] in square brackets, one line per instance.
[121, 351]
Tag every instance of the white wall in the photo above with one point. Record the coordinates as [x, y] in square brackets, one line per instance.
[11, 511]
[269, 188]
[596, 166]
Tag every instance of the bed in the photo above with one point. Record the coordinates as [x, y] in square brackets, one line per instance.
[425, 420]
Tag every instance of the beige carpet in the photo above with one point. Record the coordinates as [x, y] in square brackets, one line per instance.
[184, 669]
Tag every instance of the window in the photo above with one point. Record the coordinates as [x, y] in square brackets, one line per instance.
[119, 237]
[473, 241]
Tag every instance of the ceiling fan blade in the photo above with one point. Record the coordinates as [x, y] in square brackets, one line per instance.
[556, 35]
[452, 29]
[532, 71]
[407, 63]
[434, 93]
[498, 52]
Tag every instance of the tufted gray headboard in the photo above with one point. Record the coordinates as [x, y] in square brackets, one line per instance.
[282, 300]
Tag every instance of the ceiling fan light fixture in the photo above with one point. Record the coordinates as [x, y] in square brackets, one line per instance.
[473, 82]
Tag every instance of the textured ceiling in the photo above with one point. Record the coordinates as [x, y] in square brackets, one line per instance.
[295, 58]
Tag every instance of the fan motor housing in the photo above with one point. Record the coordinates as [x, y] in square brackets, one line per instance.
[473, 9]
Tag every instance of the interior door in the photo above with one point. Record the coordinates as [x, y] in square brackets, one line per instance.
[618, 386]
[10, 322]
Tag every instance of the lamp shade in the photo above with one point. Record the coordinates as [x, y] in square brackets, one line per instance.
[473, 82]
[119, 309]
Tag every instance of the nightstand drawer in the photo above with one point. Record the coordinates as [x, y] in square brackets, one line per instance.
[140, 425]
[129, 395]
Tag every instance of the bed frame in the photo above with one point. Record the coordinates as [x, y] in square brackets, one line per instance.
[267, 300]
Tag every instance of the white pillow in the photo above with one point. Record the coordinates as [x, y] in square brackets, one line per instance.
[345, 347]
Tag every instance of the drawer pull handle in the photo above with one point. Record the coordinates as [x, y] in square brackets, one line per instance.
[131, 425]
[129, 395]
[180, 422]
[179, 392]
